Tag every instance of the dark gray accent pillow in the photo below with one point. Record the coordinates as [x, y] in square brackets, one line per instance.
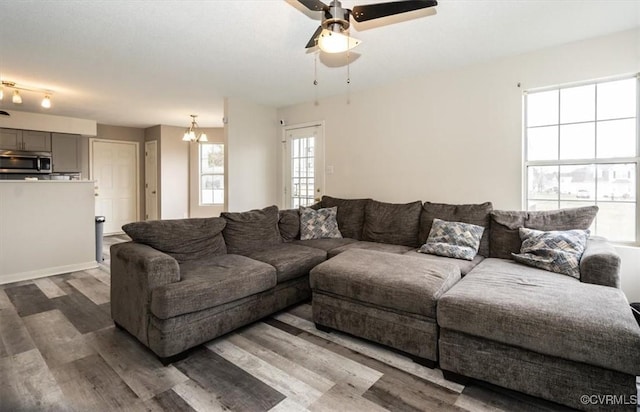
[350, 215]
[504, 236]
[475, 214]
[392, 223]
[182, 239]
[253, 230]
[289, 224]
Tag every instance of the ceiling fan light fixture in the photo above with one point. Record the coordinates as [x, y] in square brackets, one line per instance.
[336, 42]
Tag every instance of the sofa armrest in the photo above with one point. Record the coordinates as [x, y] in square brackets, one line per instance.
[137, 269]
[600, 263]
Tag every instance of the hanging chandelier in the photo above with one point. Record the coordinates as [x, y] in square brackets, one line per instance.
[16, 97]
[190, 133]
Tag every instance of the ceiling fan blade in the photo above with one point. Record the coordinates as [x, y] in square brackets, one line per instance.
[314, 39]
[314, 5]
[375, 11]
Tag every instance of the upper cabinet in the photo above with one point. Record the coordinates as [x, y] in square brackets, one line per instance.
[12, 139]
[66, 152]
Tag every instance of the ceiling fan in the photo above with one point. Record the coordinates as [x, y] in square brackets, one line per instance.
[330, 36]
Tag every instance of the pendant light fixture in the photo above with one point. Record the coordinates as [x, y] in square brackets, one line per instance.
[190, 133]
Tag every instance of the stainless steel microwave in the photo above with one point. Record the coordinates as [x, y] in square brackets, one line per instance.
[13, 161]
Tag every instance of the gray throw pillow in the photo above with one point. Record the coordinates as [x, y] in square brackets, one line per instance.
[350, 215]
[252, 230]
[475, 214]
[182, 239]
[453, 239]
[289, 224]
[319, 224]
[504, 236]
[555, 251]
[392, 223]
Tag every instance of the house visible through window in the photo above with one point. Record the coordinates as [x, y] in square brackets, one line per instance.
[581, 148]
[211, 173]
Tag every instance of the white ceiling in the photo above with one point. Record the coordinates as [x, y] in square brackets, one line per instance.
[142, 63]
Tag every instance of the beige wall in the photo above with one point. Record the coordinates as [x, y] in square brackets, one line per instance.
[173, 157]
[214, 135]
[455, 136]
[128, 134]
[48, 123]
[251, 136]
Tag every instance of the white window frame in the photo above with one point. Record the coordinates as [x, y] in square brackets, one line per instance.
[590, 161]
[201, 174]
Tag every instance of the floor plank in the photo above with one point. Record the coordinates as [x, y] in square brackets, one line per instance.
[14, 336]
[374, 351]
[91, 385]
[28, 299]
[56, 338]
[49, 288]
[168, 401]
[324, 362]
[85, 315]
[344, 398]
[26, 384]
[92, 288]
[292, 368]
[294, 389]
[135, 365]
[199, 398]
[235, 388]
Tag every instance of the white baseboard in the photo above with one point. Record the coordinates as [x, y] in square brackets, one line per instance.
[41, 273]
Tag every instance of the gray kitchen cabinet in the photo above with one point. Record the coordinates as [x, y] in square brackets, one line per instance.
[66, 152]
[13, 139]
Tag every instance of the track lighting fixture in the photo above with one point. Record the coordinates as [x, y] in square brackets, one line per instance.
[190, 133]
[16, 97]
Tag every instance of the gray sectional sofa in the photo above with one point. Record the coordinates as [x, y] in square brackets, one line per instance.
[180, 283]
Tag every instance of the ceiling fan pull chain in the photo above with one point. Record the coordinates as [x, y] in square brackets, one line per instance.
[315, 78]
[348, 77]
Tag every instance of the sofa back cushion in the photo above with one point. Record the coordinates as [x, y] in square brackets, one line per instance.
[504, 235]
[475, 214]
[289, 224]
[182, 239]
[351, 215]
[252, 230]
[392, 223]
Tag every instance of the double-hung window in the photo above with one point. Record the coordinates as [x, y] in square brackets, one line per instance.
[211, 173]
[581, 148]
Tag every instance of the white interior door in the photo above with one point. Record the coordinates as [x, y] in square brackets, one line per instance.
[114, 167]
[151, 180]
[304, 166]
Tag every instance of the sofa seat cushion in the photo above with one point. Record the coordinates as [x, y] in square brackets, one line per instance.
[396, 282]
[290, 261]
[325, 244]
[510, 303]
[361, 244]
[211, 282]
[465, 266]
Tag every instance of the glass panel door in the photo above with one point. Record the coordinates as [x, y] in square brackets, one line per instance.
[304, 164]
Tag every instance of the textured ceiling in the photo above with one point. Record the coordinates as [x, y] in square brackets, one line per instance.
[142, 63]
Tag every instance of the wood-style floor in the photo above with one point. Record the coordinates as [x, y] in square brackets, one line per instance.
[59, 351]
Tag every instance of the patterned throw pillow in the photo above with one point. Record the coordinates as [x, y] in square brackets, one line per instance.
[319, 224]
[453, 239]
[556, 251]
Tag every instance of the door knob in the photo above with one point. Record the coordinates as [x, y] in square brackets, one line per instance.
[153, 193]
